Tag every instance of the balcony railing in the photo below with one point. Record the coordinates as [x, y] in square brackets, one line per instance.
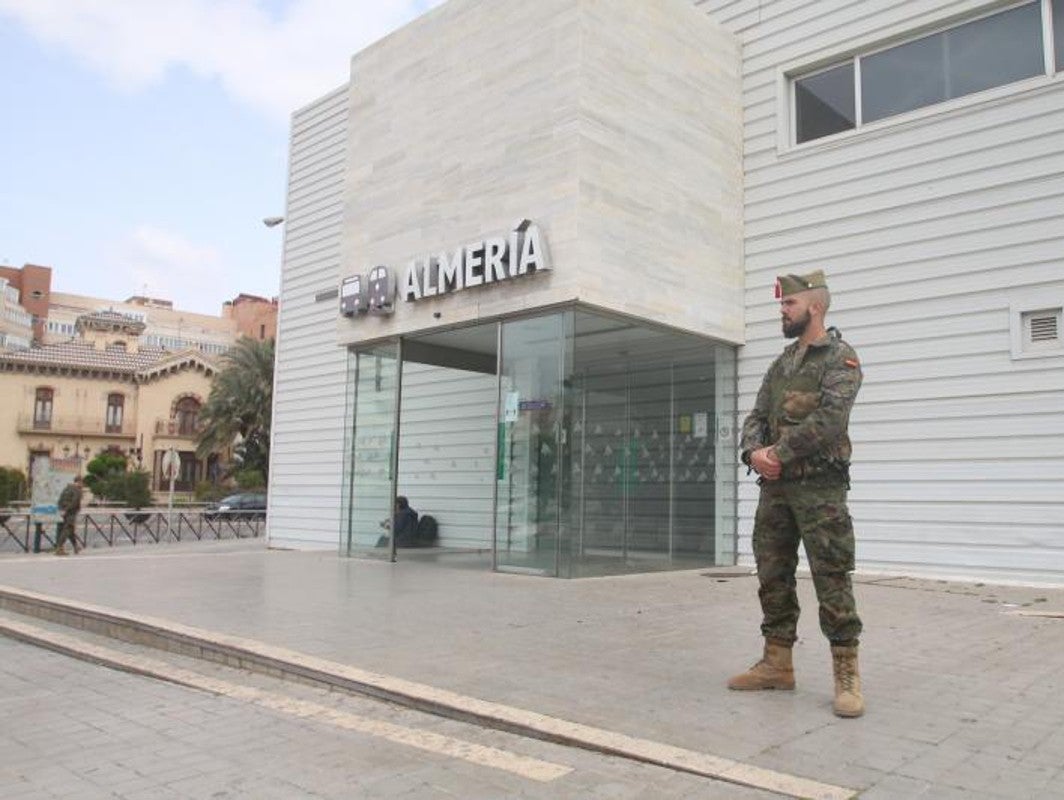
[74, 426]
[177, 429]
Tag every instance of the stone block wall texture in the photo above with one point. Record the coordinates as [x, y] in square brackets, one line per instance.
[616, 125]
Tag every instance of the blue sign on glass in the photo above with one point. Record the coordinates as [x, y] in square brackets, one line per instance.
[534, 405]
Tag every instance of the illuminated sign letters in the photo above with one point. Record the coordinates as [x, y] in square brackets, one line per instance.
[491, 260]
[522, 251]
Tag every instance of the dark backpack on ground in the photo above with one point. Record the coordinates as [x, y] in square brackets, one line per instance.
[427, 531]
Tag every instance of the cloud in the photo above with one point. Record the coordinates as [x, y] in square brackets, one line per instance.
[274, 62]
[157, 263]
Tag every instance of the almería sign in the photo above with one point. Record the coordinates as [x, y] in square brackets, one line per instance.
[522, 251]
[491, 260]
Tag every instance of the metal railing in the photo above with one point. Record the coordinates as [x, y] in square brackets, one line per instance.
[19, 533]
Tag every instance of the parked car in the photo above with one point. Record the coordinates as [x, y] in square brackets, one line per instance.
[247, 505]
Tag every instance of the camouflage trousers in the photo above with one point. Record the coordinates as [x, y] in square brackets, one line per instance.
[66, 530]
[816, 514]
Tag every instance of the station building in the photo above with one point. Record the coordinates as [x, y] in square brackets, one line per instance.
[528, 268]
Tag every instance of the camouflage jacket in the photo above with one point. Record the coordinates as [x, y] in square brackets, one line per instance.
[70, 499]
[803, 408]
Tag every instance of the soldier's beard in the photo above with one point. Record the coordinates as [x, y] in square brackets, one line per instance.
[794, 328]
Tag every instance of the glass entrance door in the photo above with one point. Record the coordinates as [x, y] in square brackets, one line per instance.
[530, 461]
[371, 452]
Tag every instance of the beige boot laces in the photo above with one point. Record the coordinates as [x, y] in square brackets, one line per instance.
[846, 673]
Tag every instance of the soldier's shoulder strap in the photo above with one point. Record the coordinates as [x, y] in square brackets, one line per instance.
[842, 350]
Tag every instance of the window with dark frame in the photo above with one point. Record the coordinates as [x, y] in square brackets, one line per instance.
[994, 50]
[115, 409]
[187, 414]
[825, 103]
[42, 408]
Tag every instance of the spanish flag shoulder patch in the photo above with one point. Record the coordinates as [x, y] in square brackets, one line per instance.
[852, 363]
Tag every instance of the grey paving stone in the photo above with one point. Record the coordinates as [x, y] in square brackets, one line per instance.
[950, 677]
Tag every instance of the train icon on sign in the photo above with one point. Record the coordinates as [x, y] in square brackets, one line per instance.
[368, 294]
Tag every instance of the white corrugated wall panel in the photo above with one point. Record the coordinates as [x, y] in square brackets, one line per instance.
[447, 450]
[310, 387]
[929, 227]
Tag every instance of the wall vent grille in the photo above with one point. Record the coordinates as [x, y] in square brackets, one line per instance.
[1041, 330]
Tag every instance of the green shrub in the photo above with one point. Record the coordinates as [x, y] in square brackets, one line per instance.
[13, 485]
[206, 492]
[250, 479]
[131, 488]
[101, 470]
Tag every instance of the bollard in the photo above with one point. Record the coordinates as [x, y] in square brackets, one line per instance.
[38, 531]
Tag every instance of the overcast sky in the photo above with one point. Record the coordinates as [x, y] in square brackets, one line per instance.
[143, 141]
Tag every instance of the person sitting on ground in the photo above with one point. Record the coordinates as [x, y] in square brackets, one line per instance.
[404, 523]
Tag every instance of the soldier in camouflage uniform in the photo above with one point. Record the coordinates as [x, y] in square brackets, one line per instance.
[796, 440]
[69, 505]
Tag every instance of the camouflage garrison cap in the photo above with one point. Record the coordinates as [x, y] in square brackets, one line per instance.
[787, 285]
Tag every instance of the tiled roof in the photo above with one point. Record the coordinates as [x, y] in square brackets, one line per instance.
[83, 354]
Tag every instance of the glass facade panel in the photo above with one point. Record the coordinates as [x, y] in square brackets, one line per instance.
[1001, 49]
[651, 461]
[988, 52]
[902, 78]
[530, 424]
[370, 451]
[824, 103]
[606, 446]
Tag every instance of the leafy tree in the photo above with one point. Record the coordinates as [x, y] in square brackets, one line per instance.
[101, 469]
[240, 402]
[12, 485]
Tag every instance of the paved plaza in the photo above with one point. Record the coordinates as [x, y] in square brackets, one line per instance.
[963, 681]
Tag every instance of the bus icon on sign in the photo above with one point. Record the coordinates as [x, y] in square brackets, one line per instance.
[372, 294]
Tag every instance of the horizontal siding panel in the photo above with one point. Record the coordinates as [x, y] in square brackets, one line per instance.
[1028, 559]
[1047, 537]
[957, 144]
[310, 386]
[992, 126]
[996, 206]
[940, 197]
[1025, 448]
[1028, 470]
[928, 227]
[938, 189]
[1020, 516]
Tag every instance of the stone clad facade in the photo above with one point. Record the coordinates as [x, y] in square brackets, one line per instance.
[615, 127]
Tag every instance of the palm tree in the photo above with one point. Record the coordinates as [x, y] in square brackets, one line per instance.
[240, 402]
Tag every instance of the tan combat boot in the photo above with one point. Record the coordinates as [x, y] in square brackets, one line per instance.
[773, 671]
[848, 699]
[60, 551]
